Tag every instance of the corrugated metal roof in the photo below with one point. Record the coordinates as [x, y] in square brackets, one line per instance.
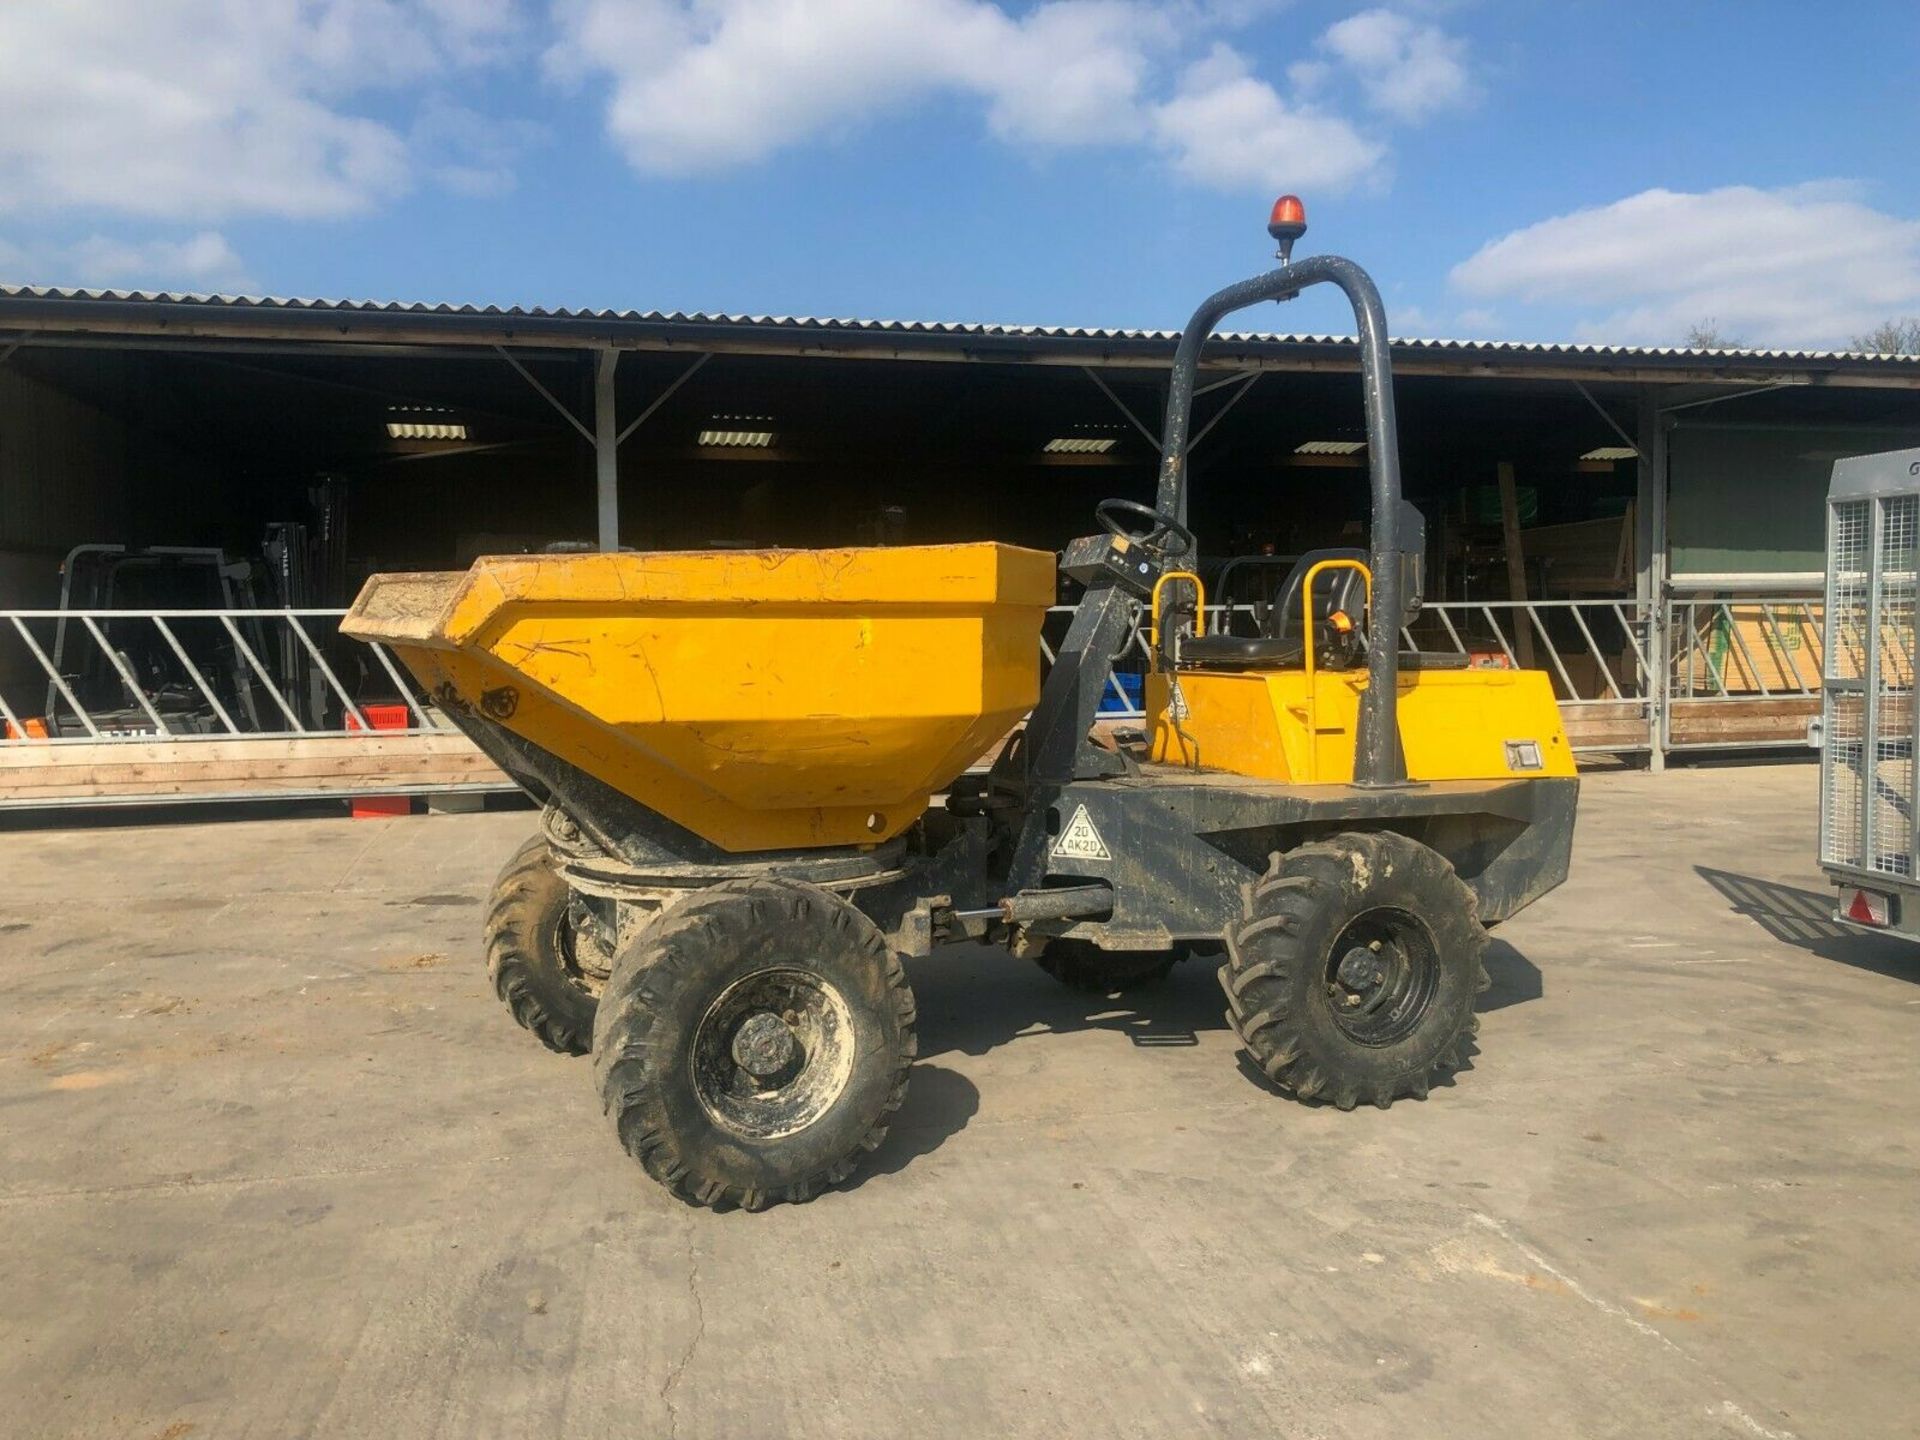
[236, 304]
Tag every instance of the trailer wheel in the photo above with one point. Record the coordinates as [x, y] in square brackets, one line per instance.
[541, 966]
[1352, 974]
[1082, 965]
[752, 1043]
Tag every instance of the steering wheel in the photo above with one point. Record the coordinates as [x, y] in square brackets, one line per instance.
[1161, 526]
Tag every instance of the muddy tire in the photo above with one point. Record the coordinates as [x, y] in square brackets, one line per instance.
[1082, 965]
[530, 952]
[1352, 974]
[753, 1042]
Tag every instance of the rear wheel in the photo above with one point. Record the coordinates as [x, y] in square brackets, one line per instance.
[1352, 974]
[545, 965]
[752, 1043]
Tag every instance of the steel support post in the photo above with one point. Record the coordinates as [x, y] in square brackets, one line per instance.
[606, 448]
[1650, 570]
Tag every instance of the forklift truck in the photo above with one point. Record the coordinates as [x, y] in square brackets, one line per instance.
[103, 666]
[739, 754]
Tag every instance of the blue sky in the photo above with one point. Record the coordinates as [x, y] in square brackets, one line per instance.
[1575, 170]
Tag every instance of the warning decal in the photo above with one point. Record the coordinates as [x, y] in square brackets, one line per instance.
[1080, 841]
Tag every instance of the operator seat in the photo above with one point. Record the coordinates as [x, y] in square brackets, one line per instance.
[1281, 642]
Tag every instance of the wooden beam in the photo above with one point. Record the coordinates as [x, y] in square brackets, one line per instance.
[1760, 720]
[1612, 722]
[109, 771]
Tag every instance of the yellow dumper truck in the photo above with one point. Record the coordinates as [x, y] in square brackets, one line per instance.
[757, 797]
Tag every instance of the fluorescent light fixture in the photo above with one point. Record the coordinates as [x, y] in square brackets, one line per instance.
[1330, 447]
[1079, 445]
[1612, 452]
[738, 432]
[424, 430]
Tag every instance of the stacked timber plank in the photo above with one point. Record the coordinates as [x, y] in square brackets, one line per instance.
[254, 768]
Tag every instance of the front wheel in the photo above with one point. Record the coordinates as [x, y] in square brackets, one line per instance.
[1352, 973]
[752, 1043]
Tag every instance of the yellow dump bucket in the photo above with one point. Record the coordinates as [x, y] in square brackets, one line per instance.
[762, 699]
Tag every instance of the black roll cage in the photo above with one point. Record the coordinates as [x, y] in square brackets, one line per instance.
[1378, 759]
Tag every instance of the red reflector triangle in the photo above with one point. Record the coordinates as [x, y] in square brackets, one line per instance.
[1860, 910]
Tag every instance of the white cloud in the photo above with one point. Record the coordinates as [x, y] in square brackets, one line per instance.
[1073, 74]
[698, 85]
[200, 262]
[192, 113]
[1802, 265]
[1228, 129]
[730, 81]
[206, 109]
[1406, 69]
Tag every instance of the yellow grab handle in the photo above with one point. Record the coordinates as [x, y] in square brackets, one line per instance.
[1306, 650]
[1200, 607]
[1306, 603]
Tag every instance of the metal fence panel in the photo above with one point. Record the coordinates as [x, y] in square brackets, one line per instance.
[138, 675]
[195, 675]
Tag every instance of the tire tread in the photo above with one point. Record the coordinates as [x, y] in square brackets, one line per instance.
[631, 1013]
[1273, 939]
[523, 977]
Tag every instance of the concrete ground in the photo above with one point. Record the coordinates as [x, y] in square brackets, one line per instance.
[274, 1162]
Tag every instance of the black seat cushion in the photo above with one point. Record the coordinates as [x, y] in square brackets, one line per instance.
[1239, 652]
[1247, 652]
[1340, 589]
[1280, 647]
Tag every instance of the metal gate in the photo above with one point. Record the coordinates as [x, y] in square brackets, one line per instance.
[1867, 811]
[116, 707]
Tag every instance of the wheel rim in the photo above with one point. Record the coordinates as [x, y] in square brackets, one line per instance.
[588, 977]
[773, 1052]
[1381, 976]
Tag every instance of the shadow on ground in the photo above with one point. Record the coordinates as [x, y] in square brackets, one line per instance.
[974, 998]
[939, 1104]
[1514, 979]
[1804, 918]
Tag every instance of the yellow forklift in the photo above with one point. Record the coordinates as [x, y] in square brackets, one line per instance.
[755, 774]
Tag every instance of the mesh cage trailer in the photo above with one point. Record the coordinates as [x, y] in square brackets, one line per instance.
[1869, 820]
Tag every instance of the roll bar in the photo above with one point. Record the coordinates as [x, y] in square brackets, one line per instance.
[1377, 760]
